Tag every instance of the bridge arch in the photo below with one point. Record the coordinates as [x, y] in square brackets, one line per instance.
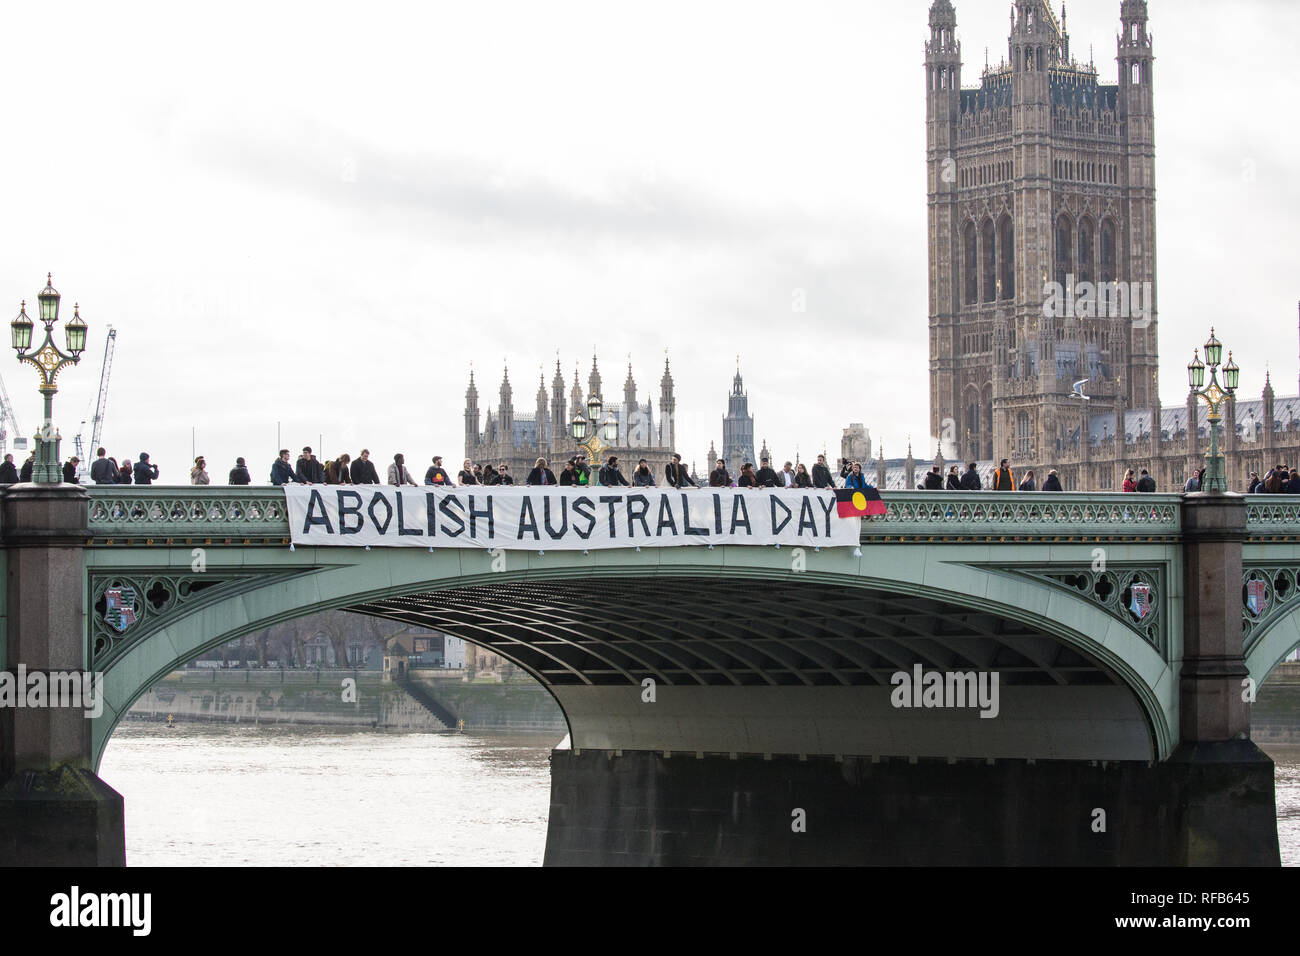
[747, 654]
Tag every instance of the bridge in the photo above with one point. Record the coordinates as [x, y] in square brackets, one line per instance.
[735, 703]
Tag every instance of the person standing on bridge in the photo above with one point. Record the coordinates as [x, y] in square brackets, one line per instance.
[1053, 482]
[954, 480]
[643, 477]
[310, 470]
[821, 475]
[970, 481]
[239, 474]
[747, 477]
[1129, 483]
[540, 475]
[677, 475]
[8, 473]
[363, 470]
[855, 479]
[397, 473]
[610, 476]
[503, 476]
[718, 477]
[1027, 482]
[339, 471]
[765, 477]
[126, 471]
[1146, 484]
[70, 470]
[1002, 480]
[933, 479]
[437, 475]
[25, 474]
[469, 473]
[104, 469]
[145, 473]
[801, 477]
[282, 471]
[199, 473]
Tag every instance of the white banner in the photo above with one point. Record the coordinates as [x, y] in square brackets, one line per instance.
[565, 519]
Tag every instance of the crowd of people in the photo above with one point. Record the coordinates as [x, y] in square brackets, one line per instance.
[577, 471]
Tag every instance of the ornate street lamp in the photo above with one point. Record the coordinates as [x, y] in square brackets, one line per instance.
[1215, 396]
[594, 439]
[48, 360]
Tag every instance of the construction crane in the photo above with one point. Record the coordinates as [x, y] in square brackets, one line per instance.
[101, 407]
[8, 423]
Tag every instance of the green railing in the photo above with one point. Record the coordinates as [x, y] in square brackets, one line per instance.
[160, 511]
[986, 514]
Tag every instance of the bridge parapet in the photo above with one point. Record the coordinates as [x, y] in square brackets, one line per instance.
[137, 515]
[1012, 516]
[248, 515]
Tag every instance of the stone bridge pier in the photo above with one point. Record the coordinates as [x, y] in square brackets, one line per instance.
[54, 809]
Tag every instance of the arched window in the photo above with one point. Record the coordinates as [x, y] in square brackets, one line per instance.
[1007, 257]
[1107, 251]
[1137, 74]
[989, 260]
[1064, 255]
[1085, 273]
[970, 275]
[1022, 434]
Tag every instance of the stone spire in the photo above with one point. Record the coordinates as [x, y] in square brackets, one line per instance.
[629, 391]
[910, 466]
[506, 411]
[880, 467]
[593, 380]
[575, 396]
[764, 453]
[471, 415]
[1270, 414]
[667, 408]
[543, 439]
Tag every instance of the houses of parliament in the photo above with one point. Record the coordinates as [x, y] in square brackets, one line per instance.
[1042, 178]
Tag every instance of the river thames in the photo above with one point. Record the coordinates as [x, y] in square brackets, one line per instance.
[250, 795]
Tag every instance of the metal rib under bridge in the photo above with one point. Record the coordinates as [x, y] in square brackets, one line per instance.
[753, 650]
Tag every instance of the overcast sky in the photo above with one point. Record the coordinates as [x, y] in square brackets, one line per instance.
[320, 215]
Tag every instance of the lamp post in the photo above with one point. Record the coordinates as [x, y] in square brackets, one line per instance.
[589, 435]
[1215, 396]
[48, 360]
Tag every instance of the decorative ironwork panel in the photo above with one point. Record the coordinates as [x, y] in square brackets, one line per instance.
[1269, 517]
[120, 512]
[1268, 592]
[1037, 515]
[1132, 594]
[127, 606]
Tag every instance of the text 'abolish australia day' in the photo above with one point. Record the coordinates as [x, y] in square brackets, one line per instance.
[564, 518]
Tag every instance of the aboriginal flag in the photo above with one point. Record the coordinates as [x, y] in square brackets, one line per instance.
[858, 502]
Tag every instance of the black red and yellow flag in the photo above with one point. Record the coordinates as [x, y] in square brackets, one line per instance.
[858, 502]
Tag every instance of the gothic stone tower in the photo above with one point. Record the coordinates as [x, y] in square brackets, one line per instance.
[1040, 174]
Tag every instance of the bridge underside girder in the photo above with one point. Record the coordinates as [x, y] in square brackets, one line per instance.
[785, 666]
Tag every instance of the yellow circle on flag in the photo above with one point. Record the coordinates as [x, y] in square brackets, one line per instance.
[859, 501]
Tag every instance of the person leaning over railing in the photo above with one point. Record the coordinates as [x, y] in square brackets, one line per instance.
[282, 472]
[363, 470]
[855, 479]
[397, 473]
[643, 477]
[821, 475]
[801, 477]
[718, 477]
[676, 474]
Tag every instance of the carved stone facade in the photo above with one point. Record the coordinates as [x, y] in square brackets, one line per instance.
[1042, 254]
[519, 439]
